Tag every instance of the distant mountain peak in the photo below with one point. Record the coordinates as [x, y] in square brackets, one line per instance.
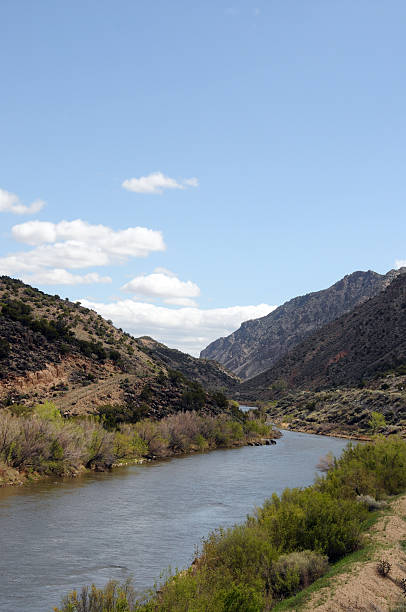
[259, 343]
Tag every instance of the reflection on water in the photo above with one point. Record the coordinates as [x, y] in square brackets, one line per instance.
[138, 520]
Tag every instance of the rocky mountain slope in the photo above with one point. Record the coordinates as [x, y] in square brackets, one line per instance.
[347, 352]
[260, 343]
[51, 348]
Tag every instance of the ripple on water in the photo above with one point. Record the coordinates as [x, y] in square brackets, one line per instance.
[137, 520]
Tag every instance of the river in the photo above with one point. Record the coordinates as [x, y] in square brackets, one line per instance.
[137, 520]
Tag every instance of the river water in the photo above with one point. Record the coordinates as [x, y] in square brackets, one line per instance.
[137, 520]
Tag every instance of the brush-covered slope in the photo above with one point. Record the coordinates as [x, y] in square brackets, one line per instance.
[369, 340]
[210, 374]
[260, 343]
[51, 348]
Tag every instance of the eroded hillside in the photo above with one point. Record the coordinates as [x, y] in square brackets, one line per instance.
[52, 348]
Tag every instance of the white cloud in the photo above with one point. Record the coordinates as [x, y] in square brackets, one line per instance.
[130, 242]
[189, 329]
[46, 267]
[59, 276]
[156, 182]
[180, 301]
[164, 285]
[161, 270]
[10, 202]
[400, 263]
[75, 245]
[71, 254]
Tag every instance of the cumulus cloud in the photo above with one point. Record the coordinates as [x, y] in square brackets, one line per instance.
[180, 301]
[156, 183]
[165, 285]
[400, 263]
[71, 254]
[130, 242]
[188, 329]
[71, 245]
[59, 276]
[10, 202]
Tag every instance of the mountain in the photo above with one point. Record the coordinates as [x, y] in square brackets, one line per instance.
[259, 343]
[347, 352]
[54, 349]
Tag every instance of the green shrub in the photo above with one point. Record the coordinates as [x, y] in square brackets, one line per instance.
[377, 421]
[243, 599]
[377, 469]
[128, 444]
[310, 519]
[48, 411]
[240, 554]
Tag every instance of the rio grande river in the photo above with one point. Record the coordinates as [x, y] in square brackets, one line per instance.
[137, 520]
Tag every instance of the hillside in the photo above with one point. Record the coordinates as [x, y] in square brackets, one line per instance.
[345, 411]
[51, 348]
[347, 352]
[260, 343]
[210, 374]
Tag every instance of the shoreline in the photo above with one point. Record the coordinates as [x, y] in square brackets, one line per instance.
[22, 479]
[283, 426]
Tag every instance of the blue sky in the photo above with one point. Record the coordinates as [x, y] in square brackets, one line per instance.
[289, 116]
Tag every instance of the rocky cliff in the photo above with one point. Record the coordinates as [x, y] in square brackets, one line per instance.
[347, 352]
[260, 343]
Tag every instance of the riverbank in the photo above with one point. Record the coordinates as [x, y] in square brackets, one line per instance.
[289, 542]
[139, 519]
[43, 444]
[321, 431]
[356, 413]
[354, 583]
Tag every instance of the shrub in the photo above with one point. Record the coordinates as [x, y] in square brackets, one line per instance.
[377, 422]
[383, 568]
[370, 502]
[243, 599]
[241, 554]
[48, 411]
[194, 399]
[4, 348]
[220, 399]
[114, 597]
[375, 469]
[310, 519]
[295, 571]
[128, 444]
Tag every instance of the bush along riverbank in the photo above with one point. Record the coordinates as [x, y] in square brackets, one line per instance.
[282, 548]
[38, 441]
